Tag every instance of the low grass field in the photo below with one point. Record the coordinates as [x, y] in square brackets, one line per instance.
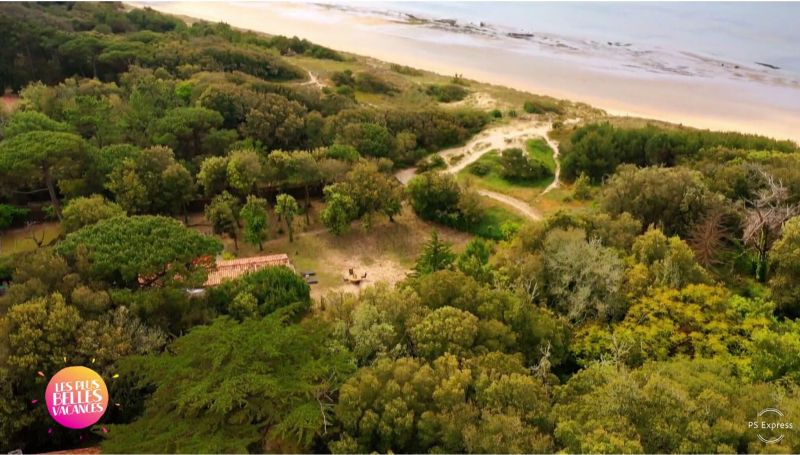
[498, 222]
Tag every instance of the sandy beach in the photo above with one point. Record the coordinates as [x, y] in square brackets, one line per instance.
[715, 96]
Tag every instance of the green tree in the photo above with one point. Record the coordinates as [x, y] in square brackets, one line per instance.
[411, 406]
[368, 138]
[291, 372]
[275, 121]
[213, 175]
[584, 279]
[785, 281]
[42, 156]
[27, 121]
[93, 117]
[582, 190]
[435, 196]
[662, 261]
[85, 211]
[672, 199]
[243, 306]
[185, 128]
[436, 255]
[179, 189]
[223, 214]
[339, 211]
[518, 165]
[243, 170]
[304, 171]
[83, 51]
[446, 330]
[286, 207]
[474, 260]
[151, 182]
[372, 191]
[139, 250]
[696, 321]
[255, 214]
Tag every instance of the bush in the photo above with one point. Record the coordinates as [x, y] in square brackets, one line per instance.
[272, 287]
[496, 113]
[542, 106]
[479, 168]
[343, 152]
[447, 93]
[583, 188]
[343, 79]
[518, 165]
[372, 83]
[597, 149]
[430, 163]
[407, 70]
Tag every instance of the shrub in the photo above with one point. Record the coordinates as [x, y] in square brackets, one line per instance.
[407, 70]
[447, 93]
[479, 168]
[372, 83]
[542, 106]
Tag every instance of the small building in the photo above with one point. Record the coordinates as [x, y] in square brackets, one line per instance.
[235, 268]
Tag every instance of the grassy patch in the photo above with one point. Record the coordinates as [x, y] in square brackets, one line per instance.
[526, 190]
[18, 240]
[498, 222]
[539, 149]
[561, 199]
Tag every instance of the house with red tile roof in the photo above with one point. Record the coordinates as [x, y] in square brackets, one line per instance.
[235, 268]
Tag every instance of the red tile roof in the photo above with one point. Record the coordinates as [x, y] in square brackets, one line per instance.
[229, 270]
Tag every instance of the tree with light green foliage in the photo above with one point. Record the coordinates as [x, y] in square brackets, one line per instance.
[223, 214]
[213, 175]
[85, 211]
[27, 121]
[698, 321]
[286, 207]
[785, 281]
[448, 405]
[255, 214]
[339, 211]
[243, 171]
[446, 330]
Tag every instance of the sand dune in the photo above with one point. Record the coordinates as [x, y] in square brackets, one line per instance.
[747, 105]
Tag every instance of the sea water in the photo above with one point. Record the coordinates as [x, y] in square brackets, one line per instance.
[746, 33]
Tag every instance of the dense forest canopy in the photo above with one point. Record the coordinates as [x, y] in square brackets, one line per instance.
[655, 312]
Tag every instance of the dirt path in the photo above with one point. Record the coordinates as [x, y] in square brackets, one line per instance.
[521, 206]
[501, 137]
[313, 80]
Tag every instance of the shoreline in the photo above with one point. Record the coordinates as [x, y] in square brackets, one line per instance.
[747, 105]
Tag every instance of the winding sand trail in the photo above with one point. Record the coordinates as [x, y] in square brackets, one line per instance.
[510, 135]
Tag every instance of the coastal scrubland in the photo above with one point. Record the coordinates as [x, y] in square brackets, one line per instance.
[540, 276]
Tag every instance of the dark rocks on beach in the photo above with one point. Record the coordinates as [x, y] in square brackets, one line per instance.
[773, 67]
[520, 35]
[450, 22]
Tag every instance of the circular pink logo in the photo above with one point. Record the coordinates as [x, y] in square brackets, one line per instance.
[76, 397]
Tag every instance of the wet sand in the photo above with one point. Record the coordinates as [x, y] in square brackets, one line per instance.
[748, 104]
